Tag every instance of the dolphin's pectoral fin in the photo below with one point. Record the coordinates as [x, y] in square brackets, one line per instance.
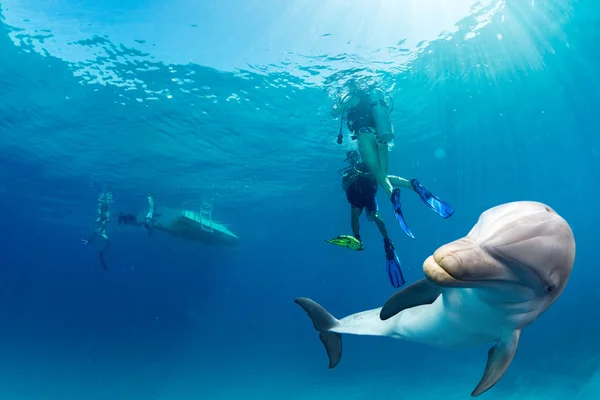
[499, 358]
[419, 293]
[323, 322]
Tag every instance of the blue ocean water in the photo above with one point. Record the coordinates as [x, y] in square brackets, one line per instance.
[229, 103]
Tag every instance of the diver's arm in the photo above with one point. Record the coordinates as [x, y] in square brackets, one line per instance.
[337, 110]
[90, 240]
[398, 182]
[365, 174]
[362, 170]
[347, 181]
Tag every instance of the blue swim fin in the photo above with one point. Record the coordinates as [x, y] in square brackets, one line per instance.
[398, 212]
[394, 268]
[434, 202]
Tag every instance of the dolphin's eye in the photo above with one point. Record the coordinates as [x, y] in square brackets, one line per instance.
[549, 288]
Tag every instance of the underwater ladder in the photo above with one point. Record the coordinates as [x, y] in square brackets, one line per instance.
[206, 216]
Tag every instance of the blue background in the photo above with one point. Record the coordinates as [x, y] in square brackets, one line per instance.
[229, 102]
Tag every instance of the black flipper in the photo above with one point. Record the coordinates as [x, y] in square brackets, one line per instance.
[101, 255]
[499, 358]
[419, 293]
[102, 262]
[323, 322]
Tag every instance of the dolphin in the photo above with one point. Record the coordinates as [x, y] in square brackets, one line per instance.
[483, 288]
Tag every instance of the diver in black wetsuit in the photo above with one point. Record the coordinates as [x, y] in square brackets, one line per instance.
[361, 188]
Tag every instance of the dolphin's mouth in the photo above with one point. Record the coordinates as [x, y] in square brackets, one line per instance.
[461, 263]
[437, 274]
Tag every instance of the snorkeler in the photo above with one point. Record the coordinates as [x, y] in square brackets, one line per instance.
[368, 119]
[361, 188]
[102, 221]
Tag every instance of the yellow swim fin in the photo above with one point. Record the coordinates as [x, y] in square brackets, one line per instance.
[347, 241]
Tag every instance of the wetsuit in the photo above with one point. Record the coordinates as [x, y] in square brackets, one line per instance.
[131, 219]
[361, 190]
[360, 117]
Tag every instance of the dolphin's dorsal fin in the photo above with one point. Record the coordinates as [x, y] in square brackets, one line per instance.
[499, 358]
[419, 293]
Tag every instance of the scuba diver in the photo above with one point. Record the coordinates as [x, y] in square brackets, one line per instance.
[147, 222]
[361, 188]
[102, 220]
[368, 119]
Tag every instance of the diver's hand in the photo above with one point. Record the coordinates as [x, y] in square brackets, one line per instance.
[344, 104]
[337, 109]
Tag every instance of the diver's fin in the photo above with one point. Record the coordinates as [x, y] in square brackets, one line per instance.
[394, 268]
[398, 211]
[419, 293]
[323, 322]
[101, 255]
[347, 241]
[394, 271]
[435, 203]
[102, 262]
[499, 358]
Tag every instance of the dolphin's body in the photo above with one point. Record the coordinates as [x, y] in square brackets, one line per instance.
[483, 288]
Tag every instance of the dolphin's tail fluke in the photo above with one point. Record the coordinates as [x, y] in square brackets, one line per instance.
[323, 322]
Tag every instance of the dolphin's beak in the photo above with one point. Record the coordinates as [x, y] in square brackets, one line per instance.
[438, 275]
[463, 263]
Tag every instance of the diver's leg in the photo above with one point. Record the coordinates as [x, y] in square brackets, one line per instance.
[393, 266]
[367, 145]
[383, 152]
[399, 182]
[102, 229]
[380, 224]
[373, 215]
[368, 148]
[91, 239]
[354, 221]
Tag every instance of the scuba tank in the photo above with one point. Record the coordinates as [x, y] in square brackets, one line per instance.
[381, 116]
